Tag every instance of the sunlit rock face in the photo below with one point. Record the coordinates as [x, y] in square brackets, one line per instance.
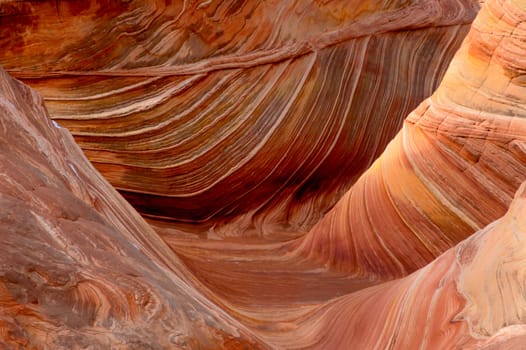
[79, 268]
[248, 118]
[452, 169]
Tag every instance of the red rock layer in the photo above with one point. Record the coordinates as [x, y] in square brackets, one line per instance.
[79, 268]
[248, 118]
[94, 273]
[452, 169]
[145, 38]
[471, 297]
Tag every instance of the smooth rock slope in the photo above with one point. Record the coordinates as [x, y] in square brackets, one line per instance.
[471, 297]
[452, 169]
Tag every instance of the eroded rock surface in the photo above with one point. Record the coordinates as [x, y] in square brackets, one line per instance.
[452, 169]
[248, 118]
[232, 145]
[471, 297]
[79, 268]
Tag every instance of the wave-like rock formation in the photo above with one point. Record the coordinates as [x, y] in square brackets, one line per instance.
[79, 268]
[248, 127]
[249, 118]
[452, 169]
[471, 297]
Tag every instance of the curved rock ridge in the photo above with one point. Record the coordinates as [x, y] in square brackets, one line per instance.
[233, 118]
[152, 38]
[451, 170]
[79, 268]
[471, 297]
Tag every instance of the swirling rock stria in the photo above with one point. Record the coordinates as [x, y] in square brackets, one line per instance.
[78, 266]
[247, 118]
[451, 170]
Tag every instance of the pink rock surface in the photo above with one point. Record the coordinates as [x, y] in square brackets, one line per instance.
[79, 268]
[245, 118]
[471, 297]
[452, 169]
[425, 251]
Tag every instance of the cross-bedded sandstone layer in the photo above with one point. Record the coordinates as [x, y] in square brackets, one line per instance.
[471, 297]
[97, 274]
[79, 268]
[249, 118]
[453, 168]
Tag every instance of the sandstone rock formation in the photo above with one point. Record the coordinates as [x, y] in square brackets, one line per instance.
[471, 297]
[425, 251]
[79, 268]
[450, 172]
[250, 118]
[453, 168]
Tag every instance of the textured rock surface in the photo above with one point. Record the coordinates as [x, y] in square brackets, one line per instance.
[453, 168]
[79, 268]
[250, 118]
[452, 171]
[471, 297]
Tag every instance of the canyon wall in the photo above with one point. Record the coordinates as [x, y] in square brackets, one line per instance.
[79, 268]
[452, 169]
[244, 118]
[232, 128]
